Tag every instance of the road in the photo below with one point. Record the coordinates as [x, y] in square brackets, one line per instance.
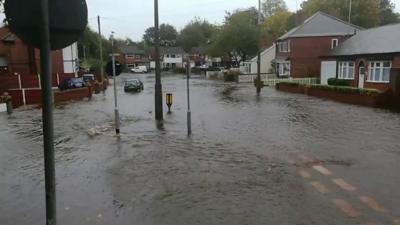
[276, 159]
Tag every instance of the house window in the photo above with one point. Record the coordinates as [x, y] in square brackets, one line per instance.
[346, 70]
[379, 71]
[335, 43]
[284, 69]
[284, 46]
[130, 56]
[173, 56]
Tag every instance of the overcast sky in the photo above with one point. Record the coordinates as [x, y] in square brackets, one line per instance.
[130, 18]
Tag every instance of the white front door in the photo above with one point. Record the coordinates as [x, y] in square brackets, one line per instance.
[361, 77]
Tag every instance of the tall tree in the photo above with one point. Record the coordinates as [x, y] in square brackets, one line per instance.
[270, 7]
[168, 34]
[238, 38]
[196, 33]
[276, 25]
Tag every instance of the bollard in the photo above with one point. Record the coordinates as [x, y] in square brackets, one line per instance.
[9, 105]
[169, 101]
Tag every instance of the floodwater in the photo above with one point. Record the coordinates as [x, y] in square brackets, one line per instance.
[251, 160]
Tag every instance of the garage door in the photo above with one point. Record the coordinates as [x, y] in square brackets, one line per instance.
[328, 70]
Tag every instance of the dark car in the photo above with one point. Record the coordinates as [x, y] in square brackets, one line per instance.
[71, 83]
[133, 85]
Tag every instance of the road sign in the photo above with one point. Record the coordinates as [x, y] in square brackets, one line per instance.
[68, 20]
[109, 68]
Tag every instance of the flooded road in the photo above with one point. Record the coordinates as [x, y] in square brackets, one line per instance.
[277, 159]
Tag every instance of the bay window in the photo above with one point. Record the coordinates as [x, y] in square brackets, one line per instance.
[379, 71]
[284, 69]
[346, 70]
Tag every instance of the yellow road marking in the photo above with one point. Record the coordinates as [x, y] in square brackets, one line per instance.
[346, 207]
[373, 204]
[320, 187]
[322, 170]
[305, 174]
[343, 184]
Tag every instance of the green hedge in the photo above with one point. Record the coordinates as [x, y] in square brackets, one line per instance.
[350, 90]
[180, 70]
[338, 82]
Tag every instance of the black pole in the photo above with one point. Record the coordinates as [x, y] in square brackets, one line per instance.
[259, 53]
[189, 113]
[158, 87]
[101, 56]
[47, 104]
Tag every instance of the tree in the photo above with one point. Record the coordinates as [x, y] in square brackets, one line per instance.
[365, 13]
[238, 38]
[195, 34]
[168, 34]
[276, 25]
[270, 7]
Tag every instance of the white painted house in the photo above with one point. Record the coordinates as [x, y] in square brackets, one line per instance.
[266, 58]
[71, 58]
[173, 57]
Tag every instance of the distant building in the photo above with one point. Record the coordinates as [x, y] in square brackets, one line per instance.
[132, 56]
[173, 57]
[298, 52]
[367, 59]
[267, 56]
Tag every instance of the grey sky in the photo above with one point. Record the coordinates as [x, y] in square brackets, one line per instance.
[130, 18]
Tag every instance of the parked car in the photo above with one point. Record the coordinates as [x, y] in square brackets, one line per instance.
[88, 77]
[133, 85]
[71, 83]
[139, 69]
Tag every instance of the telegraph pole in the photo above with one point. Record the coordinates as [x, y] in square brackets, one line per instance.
[259, 52]
[47, 115]
[350, 8]
[158, 87]
[101, 55]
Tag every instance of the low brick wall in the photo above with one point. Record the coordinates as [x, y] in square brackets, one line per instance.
[349, 98]
[34, 96]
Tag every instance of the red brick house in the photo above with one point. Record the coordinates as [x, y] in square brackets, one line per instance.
[18, 57]
[132, 56]
[298, 52]
[367, 59]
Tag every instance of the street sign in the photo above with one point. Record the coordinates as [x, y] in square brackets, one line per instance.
[109, 68]
[68, 21]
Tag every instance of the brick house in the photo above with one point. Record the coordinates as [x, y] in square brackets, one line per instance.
[18, 57]
[298, 52]
[132, 56]
[367, 59]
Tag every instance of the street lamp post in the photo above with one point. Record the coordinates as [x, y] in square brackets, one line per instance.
[189, 113]
[101, 55]
[158, 87]
[116, 110]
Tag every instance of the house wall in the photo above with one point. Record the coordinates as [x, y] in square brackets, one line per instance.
[306, 52]
[25, 60]
[178, 59]
[266, 58]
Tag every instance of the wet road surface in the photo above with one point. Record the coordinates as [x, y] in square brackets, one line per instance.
[278, 159]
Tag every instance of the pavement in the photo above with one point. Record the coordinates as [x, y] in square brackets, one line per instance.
[276, 159]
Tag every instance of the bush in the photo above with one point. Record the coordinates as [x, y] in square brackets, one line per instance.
[350, 90]
[338, 82]
[231, 75]
[180, 70]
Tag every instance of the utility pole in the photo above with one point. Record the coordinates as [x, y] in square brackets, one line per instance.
[189, 114]
[47, 115]
[350, 8]
[84, 53]
[101, 55]
[158, 87]
[259, 52]
[116, 110]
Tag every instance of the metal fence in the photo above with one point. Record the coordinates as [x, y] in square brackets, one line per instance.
[271, 80]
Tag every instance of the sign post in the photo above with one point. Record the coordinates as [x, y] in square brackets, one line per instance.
[59, 24]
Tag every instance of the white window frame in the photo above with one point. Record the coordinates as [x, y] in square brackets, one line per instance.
[284, 46]
[346, 66]
[372, 71]
[334, 43]
[281, 69]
